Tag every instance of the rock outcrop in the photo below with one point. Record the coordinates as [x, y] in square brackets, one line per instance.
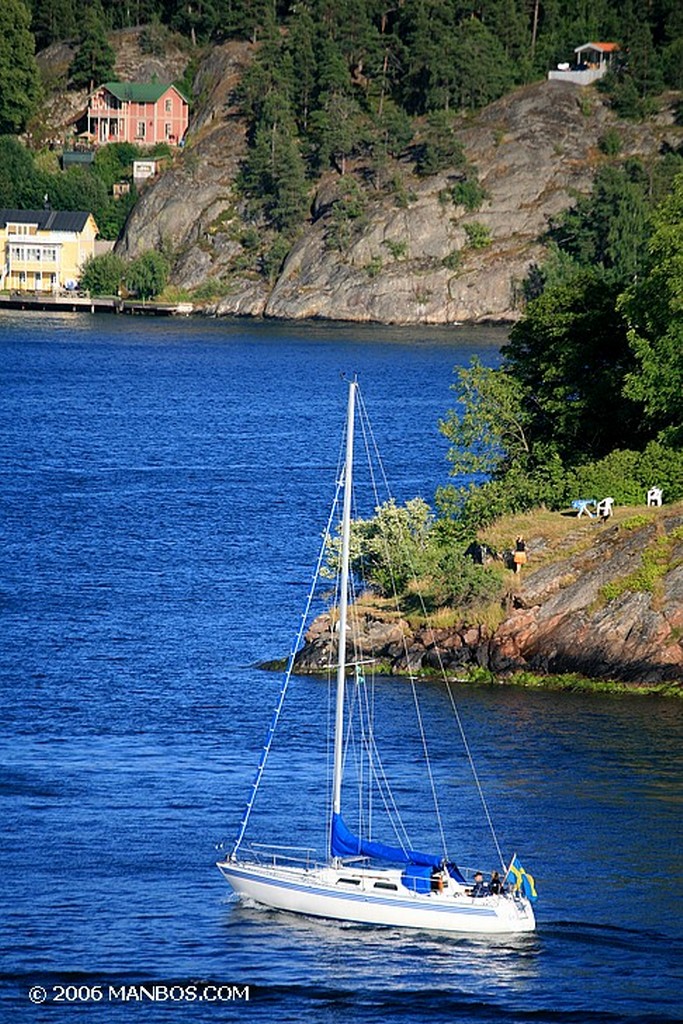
[411, 261]
[612, 610]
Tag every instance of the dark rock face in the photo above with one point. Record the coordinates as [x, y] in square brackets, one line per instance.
[597, 613]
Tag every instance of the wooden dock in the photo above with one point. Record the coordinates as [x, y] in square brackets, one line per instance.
[79, 303]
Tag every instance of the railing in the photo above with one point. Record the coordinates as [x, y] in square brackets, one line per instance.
[272, 855]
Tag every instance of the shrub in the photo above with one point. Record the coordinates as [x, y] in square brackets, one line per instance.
[478, 235]
[468, 193]
[274, 257]
[453, 260]
[610, 142]
[147, 275]
[102, 275]
[396, 249]
[373, 267]
[627, 475]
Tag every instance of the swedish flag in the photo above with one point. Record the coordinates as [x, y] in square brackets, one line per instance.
[523, 880]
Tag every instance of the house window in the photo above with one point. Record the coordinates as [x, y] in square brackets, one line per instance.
[22, 277]
[169, 106]
[168, 130]
[17, 252]
[49, 254]
[141, 129]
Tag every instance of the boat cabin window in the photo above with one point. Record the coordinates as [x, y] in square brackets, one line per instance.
[348, 881]
[385, 885]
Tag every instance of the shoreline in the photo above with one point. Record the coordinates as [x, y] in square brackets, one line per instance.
[556, 683]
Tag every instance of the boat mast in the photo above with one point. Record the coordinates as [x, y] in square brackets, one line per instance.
[343, 602]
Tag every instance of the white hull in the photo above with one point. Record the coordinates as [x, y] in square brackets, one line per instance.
[323, 892]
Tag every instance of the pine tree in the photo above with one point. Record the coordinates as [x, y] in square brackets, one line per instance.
[19, 87]
[54, 20]
[94, 62]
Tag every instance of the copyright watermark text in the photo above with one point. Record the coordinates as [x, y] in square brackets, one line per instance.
[143, 992]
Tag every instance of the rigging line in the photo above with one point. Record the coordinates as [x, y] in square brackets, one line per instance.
[390, 806]
[473, 768]
[285, 681]
[368, 733]
[437, 650]
[393, 813]
[435, 799]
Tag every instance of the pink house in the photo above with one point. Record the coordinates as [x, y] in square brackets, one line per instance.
[140, 112]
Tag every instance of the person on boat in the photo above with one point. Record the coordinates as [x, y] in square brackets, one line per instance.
[519, 557]
[437, 880]
[479, 888]
[495, 885]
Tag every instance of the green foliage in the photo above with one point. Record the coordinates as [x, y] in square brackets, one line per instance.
[19, 89]
[397, 249]
[186, 82]
[115, 161]
[16, 173]
[488, 428]
[54, 20]
[453, 260]
[653, 308]
[274, 257]
[627, 475]
[390, 549]
[112, 218]
[570, 354]
[483, 70]
[478, 235]
[521, 488]
[374, 267]
[635, 522]
[95, 59]
[441, 149]
[468, 193]
[656, 562]
[457, 582]
[273, 175]
[610, 142]
[610, 228]
[77, 189]
[348, 214]
[400, 551]
[103, 275]
[153, 38]
[338, 131]
[147, 275]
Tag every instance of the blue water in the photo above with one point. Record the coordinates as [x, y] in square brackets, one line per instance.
[164, 486]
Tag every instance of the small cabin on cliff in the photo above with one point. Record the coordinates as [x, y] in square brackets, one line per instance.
[592, 61]
[143, 113]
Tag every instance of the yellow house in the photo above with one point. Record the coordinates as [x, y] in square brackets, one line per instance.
[44, 250]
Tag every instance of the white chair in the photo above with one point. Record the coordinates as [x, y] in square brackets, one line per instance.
[654, 497]
[603, 509]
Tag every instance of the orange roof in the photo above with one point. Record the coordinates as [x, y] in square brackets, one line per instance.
[605, 47]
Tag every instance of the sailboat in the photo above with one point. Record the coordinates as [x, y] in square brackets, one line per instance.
[361, 880]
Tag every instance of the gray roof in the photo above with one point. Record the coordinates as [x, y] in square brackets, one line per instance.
[47, 220]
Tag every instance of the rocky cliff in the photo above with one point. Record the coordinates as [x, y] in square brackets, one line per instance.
[534, 150]
[605, 602]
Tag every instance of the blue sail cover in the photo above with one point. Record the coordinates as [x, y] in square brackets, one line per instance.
[343, 843]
